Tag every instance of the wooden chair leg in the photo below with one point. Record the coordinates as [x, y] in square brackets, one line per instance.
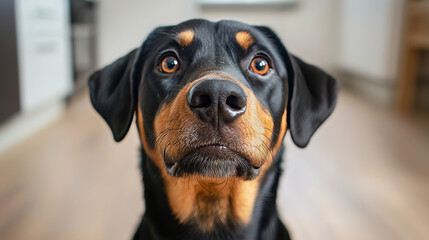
[408, 81]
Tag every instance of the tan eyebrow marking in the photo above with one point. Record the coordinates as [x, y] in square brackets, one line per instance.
[244, 39]
[185, 38]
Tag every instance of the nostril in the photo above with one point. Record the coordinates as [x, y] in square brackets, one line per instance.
[236, 102]
[202, 101]
[232, 101]
[205, 101]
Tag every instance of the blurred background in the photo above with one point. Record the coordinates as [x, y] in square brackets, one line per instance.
[365, 174]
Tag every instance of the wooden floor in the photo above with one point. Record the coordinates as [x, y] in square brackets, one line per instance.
[365, 175]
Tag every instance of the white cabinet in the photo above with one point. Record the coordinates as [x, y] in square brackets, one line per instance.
[44, 53]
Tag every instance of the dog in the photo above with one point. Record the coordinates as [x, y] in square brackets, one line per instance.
[213, 102]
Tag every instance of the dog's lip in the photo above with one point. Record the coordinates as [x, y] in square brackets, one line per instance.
[211, 149]
[219, 148]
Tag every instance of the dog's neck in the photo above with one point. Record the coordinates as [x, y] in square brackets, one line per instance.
[209, 218]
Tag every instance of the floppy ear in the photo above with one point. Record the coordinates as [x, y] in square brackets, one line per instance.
[113, 92]
[312, 93]
[312, 98]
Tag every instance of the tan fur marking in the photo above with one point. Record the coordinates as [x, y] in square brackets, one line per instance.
[243, 200]
[185, 38]
[142, 134]
[244, 39]
[282, 132]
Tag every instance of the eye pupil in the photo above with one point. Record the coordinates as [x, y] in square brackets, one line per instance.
[260, 64]
[171, 62]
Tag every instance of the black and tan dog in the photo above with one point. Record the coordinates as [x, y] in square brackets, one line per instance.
[213, 102]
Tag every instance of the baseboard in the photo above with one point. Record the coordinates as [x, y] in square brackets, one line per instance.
[24, 125]
[383, 92]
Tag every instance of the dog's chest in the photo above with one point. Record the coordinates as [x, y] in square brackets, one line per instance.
[210, 203]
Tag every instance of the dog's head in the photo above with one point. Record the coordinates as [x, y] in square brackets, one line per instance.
[213, 99]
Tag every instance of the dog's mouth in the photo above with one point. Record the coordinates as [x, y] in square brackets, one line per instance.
[214, 161]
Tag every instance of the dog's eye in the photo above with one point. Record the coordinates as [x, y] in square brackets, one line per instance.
[169, 64]
[260, 65]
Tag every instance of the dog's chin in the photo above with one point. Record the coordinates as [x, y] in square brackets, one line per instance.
[213, 161]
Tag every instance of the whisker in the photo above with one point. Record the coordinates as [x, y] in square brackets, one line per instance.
[197, 178]
[226, 182]
[266, 137]
[167, 129]
[233, 184]
[272, 131]
[189, 180]
[217, 184]
[162, 135]
[162, 132]
[161, 139]
[268, 149]
[166, 121]
[263, 153]
[167, 148]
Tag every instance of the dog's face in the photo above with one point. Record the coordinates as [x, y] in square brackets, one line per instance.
[213, 99]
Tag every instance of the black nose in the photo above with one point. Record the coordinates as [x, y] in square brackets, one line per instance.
[217, 100]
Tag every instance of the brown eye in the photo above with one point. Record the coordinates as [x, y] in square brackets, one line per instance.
[260, 65]
[169, 64]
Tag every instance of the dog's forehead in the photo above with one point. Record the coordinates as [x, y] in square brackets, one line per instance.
[209, 34]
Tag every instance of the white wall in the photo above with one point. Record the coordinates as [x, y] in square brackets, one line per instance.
[370, 38]
[124, 24]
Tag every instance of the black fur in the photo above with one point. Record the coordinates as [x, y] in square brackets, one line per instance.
[308, 94]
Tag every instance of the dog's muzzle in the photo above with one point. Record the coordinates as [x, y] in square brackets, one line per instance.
[217, 103]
